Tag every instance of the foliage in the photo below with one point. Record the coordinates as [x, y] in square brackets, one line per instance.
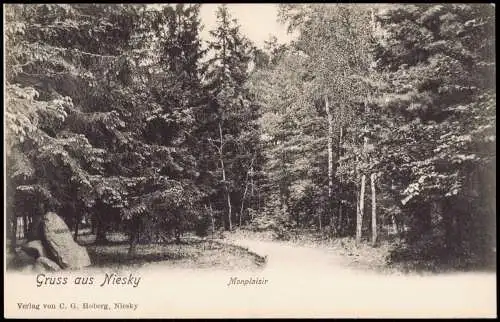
[228, 121]
[80, 125]
[435, 111]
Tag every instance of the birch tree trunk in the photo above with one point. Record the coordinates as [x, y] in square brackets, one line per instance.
[251, 183]
[358, 217]
[359, 221]
[330, 147]
[373, 175]
[330, 160]
[340, 221]
[228, 196]
[243, 202]
[374, 210]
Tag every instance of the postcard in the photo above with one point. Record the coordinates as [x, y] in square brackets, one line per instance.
[249, 160]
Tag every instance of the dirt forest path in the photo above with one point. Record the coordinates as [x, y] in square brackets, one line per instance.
[281, 256]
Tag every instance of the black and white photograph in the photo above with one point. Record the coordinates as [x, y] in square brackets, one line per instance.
[175, 160]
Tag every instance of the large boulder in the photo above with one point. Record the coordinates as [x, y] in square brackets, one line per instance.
[34, 248]
[60, 245]
[43, 264]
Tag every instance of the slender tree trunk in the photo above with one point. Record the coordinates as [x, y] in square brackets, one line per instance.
[13, 236]
[100, 226]
[228, 196]
[132, 250]
[248, 176]
[258, 200]
[177, 235]
[242, 203]
[357, 192]
[77, 224]
[25, 224]
[251, 183]
[395, 225]
[357, 209]
[340, 221]
[330, 160]
[230, 211]
[340, 228]
[374, 210]
[359, 221]
[212, 220]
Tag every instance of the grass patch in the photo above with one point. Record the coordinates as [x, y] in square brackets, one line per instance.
[190, 253]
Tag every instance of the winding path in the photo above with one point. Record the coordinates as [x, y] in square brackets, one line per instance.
[281, 256]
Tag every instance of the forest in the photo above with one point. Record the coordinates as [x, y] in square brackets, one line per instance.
[377, 123]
